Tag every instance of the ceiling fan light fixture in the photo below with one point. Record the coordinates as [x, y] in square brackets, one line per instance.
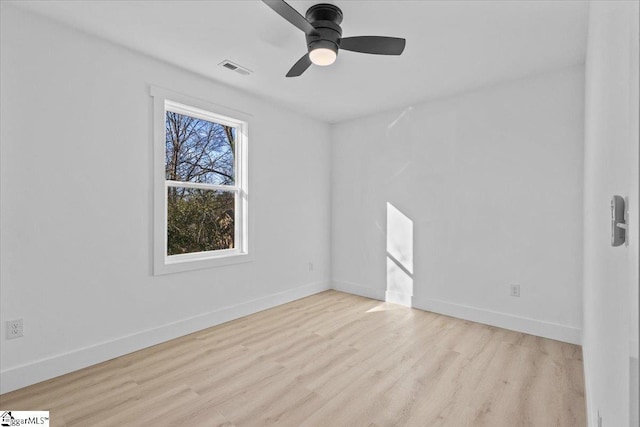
[323, 56]
[321, 26]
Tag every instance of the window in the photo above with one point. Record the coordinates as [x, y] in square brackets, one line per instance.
[200, 185]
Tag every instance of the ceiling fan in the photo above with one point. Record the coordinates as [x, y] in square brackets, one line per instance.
[324, 36]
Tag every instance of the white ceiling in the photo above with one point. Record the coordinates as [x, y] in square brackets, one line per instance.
[452, 46]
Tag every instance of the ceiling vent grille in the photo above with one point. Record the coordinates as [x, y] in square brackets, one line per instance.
[235, 67]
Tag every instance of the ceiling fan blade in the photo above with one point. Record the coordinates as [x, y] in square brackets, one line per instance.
[377, 45]
[283, 9]
[300, 66]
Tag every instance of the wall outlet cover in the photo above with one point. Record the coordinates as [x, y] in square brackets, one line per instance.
[515, 290]
[14, 328]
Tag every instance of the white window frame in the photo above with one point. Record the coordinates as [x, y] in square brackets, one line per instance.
[165, 100]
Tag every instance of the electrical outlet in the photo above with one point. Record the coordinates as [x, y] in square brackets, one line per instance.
[515, 290]
[14, 328]
[310, 266]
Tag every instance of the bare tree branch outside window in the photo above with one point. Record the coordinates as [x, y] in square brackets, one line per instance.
[199, 151]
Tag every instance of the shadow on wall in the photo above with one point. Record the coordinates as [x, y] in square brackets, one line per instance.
[399, 257]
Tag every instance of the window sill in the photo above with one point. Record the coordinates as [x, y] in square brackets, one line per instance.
[169, 266]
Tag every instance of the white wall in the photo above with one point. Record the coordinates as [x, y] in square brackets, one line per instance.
[76, 204]
[489, 189]
[611, 167]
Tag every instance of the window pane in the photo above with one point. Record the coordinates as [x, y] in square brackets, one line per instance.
[198, 150]
[199, 220]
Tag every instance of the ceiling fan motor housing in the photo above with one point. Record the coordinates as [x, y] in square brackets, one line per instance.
[326, 19]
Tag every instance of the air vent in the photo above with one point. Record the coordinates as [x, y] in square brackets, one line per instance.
[235, 67]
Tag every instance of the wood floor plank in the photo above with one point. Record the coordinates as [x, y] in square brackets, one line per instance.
[329, 359]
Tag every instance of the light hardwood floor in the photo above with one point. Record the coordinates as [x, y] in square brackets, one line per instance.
[332, 359]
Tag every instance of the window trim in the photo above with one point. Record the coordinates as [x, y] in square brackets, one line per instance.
[183, 104]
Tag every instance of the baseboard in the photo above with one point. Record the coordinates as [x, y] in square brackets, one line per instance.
[355, 289]
[31, 373]
[398, 298]
[526, 325]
